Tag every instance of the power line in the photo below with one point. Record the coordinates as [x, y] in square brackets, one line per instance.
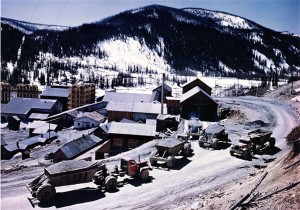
[61, 11]
[34, 10]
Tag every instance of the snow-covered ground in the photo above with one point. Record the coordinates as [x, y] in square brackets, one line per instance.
[205, 171]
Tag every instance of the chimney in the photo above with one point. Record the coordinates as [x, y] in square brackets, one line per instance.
[162, 93]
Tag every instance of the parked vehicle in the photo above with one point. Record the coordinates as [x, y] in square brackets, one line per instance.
[132, 168]
[166, 149]
[194, 128]
[69, 172]
[242, 148]
[254, 142]
[212, 136]
[261, 139]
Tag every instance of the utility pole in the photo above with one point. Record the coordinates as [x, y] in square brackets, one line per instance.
[162, 94]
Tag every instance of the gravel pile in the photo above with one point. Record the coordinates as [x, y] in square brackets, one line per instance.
[69, 165]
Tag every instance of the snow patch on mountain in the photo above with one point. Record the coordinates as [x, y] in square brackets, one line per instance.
[29, 28]
[223, 19]
[129, 52]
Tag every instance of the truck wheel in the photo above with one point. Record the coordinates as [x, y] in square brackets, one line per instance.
[153, 162]
[145, 174]
[272, 142]
[171, 161]
[215, 144]
[45, 193]
[186, 149]
[201, 144]
[231, 152]
[110, 183]
[226, 136]
[246, 155]
[259, 149]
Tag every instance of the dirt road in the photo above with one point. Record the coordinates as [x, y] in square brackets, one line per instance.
[206, 170]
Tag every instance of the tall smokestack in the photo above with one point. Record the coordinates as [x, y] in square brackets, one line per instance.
[162, 93]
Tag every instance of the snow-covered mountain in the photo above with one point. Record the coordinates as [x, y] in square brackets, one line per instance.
[153, 38]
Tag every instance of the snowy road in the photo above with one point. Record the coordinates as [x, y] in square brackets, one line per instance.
[204, 171]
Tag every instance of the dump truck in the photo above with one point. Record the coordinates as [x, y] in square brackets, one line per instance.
[69, 172]
[212, 136]
[261, 139]
[72, 172]
[166, 149]
[254, 142]
[132, 168]
[243, 148]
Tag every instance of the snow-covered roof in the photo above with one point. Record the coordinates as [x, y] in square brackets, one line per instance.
[132, 129]
[121, 106]
[24, 105]
[92, 115]
[38, 116]
[130, 97]
[194, 91]
[77, 146]
[55, 92]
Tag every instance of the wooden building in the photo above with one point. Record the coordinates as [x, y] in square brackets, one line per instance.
[59, 93]
[86, 120]
[117, 110]
[27, 91]
[196, 83]
[124, 136]
[5, 93]
[156, 93]
[76, 147]
[81, 95]
[13, 123]
[198, 103]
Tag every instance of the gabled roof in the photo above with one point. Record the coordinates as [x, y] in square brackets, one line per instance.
[166, 87]
[187, 83]
[56, 92]
[92, 115]
[121, 106]
[24, 105]
[132, 129]
[23, 144]
[193, 92]
[130, 97]
[105, 127]
[80, 145]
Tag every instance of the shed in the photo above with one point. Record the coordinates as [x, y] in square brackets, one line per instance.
[173, 105]
[88, 120]
[166, 121]
[14, 122]
[8, 151]
[197, 103]
[130, 135]
[196, 83]
[41, 127]
[76, 147]
[156, 95]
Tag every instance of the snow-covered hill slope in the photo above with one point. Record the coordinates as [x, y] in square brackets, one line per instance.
[29, 28]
